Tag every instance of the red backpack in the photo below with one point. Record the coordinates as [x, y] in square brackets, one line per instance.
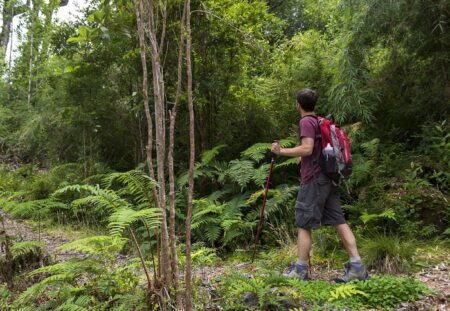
[335, 158]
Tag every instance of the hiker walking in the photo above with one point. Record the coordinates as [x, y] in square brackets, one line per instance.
[318, 202]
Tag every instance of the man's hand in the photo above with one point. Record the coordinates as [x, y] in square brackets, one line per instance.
[276, 148]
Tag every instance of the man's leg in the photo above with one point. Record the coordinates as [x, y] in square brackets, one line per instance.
[355, 269]
[300, 268]
[348, 239]
[303, 245]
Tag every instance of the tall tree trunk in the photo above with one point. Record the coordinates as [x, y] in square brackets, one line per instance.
[141, 33]
[7, 18]
[8, 13]
[10, 57]
[173, 116]
[191, 160]
[31, 32]
[158, 94]
[149, 148]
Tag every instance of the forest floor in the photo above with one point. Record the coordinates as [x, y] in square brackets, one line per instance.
[436, 277]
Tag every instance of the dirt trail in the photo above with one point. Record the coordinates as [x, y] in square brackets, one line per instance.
[19, 231]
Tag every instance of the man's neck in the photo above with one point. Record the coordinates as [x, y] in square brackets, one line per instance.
[309, 113]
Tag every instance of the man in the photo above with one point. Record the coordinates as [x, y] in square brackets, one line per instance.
[318, 202]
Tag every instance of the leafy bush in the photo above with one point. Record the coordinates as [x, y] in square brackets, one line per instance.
[271, 290]
[5, 296]
[388, 254]
[79, 284]
[388, 291]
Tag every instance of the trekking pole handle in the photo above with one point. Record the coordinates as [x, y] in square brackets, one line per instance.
[274, 155]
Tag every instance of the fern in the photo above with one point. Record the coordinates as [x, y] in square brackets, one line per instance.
[35, 290]
[73, 267]
[205, 211]
[208, 155]
[260, 175]
[257, 151]
[27, 247]
[241, 172]
[35, 209]
[104, 199]
[70, 306]
[136, 182]
[387, 214]
[288, 162]
[123, 218]
[80, 303]
[345, 291]
[76, 189]
[96, 245]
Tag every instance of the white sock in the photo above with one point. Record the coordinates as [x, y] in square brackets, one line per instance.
[355, 259]
[302, 262]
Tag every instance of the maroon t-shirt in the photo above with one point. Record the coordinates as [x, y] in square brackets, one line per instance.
[310, 168]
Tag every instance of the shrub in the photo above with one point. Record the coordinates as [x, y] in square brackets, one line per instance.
[388, 291]
[387, 253]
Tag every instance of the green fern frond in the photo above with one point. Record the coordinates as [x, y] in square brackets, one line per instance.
[260, 175]
[233, 208]
[123, 218]
[205, 211]
[136, 183]
[35, 290]
[256, 195]
[35, 209]
[29, 294]
[104, 199]
[199, 171]
[96, 245]
[216, 195]
[80, 303]
[75, 188]
[70, 306]
[208, 155]
[27, 247]
[73, 266]
[128, 302]
[22, 210]
[345, 291]
[288, 162]
[241, 172]
[212, 232]
[257, 151]
[389, 213]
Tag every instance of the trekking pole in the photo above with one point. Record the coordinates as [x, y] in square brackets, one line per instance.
[261, 216]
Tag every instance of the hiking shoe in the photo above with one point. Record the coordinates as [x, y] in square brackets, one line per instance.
[353, 272]
[297, 271]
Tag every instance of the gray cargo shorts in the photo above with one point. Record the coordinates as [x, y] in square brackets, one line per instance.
[318, 203]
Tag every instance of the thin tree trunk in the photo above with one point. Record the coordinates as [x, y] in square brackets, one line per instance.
[141, 257]
[11, 26]
[188, 276]
[158, 93]
[149, 148]
[31, 31]
[173, 116]
[7, 19]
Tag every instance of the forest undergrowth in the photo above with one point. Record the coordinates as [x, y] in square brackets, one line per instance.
[97, 263]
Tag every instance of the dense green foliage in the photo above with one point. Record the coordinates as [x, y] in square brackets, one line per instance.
[73, 147]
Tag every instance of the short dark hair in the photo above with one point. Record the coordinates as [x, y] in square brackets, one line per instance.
[307, 99]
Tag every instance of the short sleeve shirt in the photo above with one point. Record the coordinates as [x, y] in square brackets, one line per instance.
[310, 168]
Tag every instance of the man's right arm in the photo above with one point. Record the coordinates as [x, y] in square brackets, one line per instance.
[304, 150]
